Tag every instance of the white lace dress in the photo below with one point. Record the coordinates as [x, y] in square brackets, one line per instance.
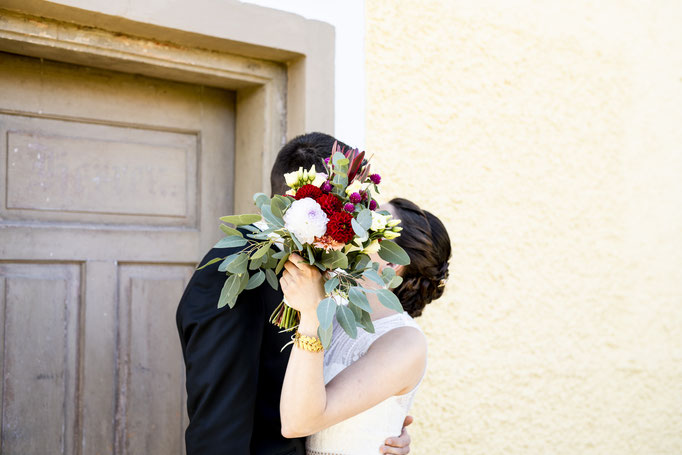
[366, 432]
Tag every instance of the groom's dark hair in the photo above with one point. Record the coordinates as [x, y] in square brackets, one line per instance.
[302, 151]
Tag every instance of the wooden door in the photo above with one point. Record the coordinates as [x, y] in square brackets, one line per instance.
[112, 186]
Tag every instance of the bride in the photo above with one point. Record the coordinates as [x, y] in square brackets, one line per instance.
[351, 397]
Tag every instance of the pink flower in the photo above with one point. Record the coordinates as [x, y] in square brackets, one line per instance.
[372, 204]
[327, 243]
[355, 198]
[349, 207]
[375, 178]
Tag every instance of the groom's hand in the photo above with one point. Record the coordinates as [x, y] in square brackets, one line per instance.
[400, 445]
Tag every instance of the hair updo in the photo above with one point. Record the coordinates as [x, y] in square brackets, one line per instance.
[426, 241]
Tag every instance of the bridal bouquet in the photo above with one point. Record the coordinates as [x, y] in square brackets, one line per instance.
[331, 219]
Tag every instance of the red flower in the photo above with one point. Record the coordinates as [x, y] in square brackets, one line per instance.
[310, 191]
[330, 204]
[339, 227]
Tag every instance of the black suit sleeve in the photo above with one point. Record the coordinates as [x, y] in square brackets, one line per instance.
[221, 351]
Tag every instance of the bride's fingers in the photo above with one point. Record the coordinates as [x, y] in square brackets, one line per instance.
[395, 450]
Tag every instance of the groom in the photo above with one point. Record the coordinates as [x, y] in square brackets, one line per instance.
[232, 356]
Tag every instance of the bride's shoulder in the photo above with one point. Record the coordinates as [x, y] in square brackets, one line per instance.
[406, 341]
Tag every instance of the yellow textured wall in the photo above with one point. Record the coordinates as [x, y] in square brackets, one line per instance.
[548, 137]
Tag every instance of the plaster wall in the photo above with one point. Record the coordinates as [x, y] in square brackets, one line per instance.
[547, 137]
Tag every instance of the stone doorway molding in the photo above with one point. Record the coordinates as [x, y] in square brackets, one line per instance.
[280, 65]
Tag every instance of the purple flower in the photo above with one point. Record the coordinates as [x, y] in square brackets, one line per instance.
[326, 160]
[372, 204]
[364, 195]
[375, 178]
[349, 207]
[355, 198]
[326, 187]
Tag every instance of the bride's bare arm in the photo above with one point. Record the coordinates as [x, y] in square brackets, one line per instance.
[392, 366]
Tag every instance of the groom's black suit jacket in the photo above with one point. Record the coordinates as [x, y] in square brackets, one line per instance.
[234, 368]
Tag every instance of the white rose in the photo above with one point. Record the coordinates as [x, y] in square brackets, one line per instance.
[354, 187]
[372, 248]
[306, 220]
[292, 177]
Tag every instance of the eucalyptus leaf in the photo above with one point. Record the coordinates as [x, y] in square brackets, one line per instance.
[361, 261]
[255, 263]
[282, 261]
[374, 276]
[229, 293]
[256, 280]
[269, 262]
[239, 265]
[311, 256]
[270, 217]
[389, 300]
[325, 335]
[277, 207]
[365, 218]
[358, 229]
[239, 220]
[260, 199]
[334, 259]
[231, 242]
[338, 158]
[331, 284]
[226, 262]
[391, 252]
[297, 242]
[212, 261]
[359, 299]
[243, 281]
[346, 320]
[366, 322]
[260, 252]
[388, 274]
[279, 255]
[272, 279]
[395, 282]
[325, 312]
[230, 231]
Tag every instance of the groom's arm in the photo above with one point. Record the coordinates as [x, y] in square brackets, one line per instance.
[221, 352]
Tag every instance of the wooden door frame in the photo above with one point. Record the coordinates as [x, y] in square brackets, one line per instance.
[280, 65]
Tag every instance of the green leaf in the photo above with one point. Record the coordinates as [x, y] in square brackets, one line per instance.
[260, 252]
[311, 256]
[325, 312]
[228, 260]
[359, 299]
[296, 241]
[331, 284]
[231, 241]
[260, 199]
[212, 261]
[270, 217]
[255, 263]
[365, 218]
[269, 262]
[243, 281]
[358, 229]
[325, 335]
[279, 255]
[256, 280]
[239, 220]
[334, 259]
[388, 274]
[230, 291]
[389, 300]
[339, 158]
[239, 264]
[361, 261]
[374, 276]
[395, 282]
[277, 206]
[272, 279]
[346, 320]
[391, 252]
[230, 231]
[366, 322]
[282, 261]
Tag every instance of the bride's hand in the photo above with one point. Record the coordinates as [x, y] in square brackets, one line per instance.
[302, 285]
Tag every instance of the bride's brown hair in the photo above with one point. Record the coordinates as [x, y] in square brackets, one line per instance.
[426, 241]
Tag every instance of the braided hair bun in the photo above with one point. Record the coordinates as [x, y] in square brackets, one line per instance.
[426, 241]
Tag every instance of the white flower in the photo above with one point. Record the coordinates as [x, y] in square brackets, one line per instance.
[379, 221]
[353, 187]
[306, 220]
[372, 248]
[302, 177]
[319, 179]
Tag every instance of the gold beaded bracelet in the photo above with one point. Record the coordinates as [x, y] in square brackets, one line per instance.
[311, 344]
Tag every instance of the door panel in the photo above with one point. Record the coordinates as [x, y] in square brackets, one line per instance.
[111, 188]
[40, 320]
